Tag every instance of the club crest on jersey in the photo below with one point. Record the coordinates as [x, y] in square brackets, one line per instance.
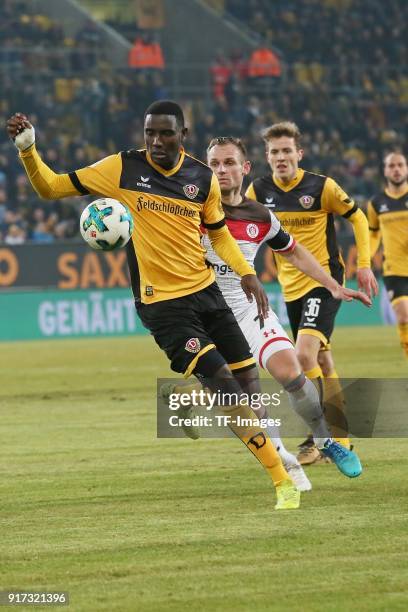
[252, 230]
[193, 345]
[306, 201]
[191, 191]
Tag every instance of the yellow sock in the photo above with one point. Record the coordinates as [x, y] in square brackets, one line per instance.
[403, 334]
[254, 438]
[316, 376]
[334, 408]
[257, 441]
[315, 372]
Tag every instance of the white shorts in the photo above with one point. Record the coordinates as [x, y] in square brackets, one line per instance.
[266, 340]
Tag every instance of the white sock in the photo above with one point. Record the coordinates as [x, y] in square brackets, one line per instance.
[320, 442]
[304, 399]
[287, 457]
[273, 432]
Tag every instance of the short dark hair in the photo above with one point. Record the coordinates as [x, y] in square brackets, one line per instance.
[166, 107]
[284, 128]
[224, 140]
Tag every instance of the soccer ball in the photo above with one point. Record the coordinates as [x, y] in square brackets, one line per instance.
[106, 224]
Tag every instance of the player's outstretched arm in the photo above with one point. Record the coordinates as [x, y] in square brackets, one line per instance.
[302, 259]
[45, 182]
[365, 276]
[335, 200]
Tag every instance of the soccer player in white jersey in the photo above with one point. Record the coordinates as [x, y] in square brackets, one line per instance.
[251, 224]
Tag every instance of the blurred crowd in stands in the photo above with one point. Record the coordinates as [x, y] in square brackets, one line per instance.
[344, 83]
[328, 31]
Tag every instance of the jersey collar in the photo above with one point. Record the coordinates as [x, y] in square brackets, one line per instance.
[394, 197]
[293, 183]
[172, 170]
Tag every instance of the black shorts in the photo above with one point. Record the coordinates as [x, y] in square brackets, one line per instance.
[188, 327]
[397, 287]
[314, 314]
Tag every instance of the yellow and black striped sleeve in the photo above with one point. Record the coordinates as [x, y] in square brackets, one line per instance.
[228, 250]
[374, 227]
[335, 200]
[101, 178]
[221, 240]
[47, 183]
[212, 214]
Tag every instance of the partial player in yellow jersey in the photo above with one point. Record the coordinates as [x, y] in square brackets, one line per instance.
[170, 195]
[305, 204]
[388, 220]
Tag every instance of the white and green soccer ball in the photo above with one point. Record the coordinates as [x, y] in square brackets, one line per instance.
[106, 224]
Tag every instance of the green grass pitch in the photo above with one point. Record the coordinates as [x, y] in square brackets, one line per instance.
[92, 503]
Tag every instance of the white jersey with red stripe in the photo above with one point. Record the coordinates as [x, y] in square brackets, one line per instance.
[251, 224]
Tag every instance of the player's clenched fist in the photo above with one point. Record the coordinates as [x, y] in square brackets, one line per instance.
[20, 131]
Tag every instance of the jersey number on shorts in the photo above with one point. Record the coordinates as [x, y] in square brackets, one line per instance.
[313, 307]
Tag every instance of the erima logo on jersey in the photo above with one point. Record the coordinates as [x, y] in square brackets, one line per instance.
[383, 208]
[270, 203]
[144, 182]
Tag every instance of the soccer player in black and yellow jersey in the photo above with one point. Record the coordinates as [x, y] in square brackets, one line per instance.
[170, 194]
[388, 220]
[305, 204]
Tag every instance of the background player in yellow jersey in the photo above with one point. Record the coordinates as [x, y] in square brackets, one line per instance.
[388, 220]
[170, 194]
[305, 203]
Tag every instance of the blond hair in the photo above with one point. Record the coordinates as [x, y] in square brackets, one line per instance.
[284, 128]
